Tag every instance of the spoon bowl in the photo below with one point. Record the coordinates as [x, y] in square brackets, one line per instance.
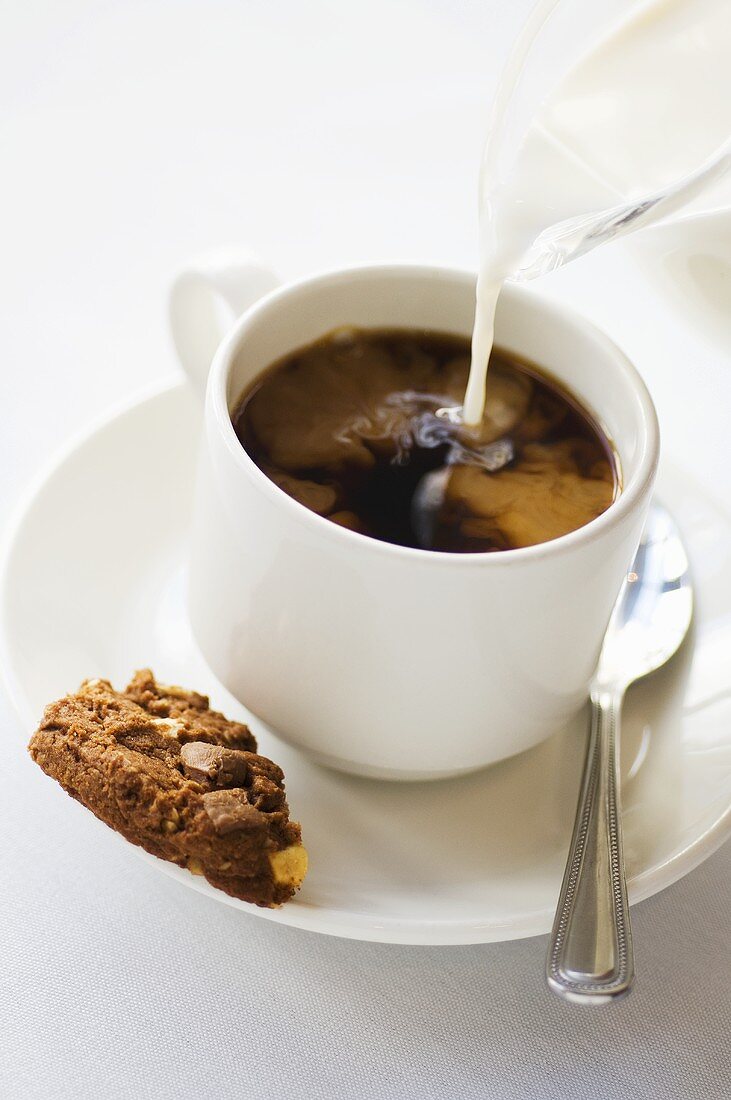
[654, 609]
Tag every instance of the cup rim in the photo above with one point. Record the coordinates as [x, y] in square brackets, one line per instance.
[630, 497]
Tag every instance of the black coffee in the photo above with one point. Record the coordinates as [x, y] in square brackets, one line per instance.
[358, 428]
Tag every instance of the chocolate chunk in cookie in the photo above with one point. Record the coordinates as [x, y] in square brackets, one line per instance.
[231, 811]
[222, 767]
[178, 779]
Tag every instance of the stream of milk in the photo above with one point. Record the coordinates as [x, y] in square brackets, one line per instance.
[647, 107]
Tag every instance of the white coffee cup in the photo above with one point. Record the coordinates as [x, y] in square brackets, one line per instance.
[378, 659]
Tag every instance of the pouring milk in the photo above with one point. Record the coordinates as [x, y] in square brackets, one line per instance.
[630, 133]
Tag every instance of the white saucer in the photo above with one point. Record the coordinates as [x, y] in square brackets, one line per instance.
[94, 586]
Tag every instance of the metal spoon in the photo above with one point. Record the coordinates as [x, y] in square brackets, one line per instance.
[590, 956]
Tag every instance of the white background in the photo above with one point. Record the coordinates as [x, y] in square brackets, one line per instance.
[134, 134]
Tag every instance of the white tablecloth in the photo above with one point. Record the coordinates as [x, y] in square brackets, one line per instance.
[133, 135]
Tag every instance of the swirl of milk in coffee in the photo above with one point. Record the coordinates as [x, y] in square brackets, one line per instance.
[351, 427]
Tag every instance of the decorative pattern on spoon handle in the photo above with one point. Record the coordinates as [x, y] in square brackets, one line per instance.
[590, 955]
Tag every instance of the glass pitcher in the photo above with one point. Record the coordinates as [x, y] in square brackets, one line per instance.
[610, 116]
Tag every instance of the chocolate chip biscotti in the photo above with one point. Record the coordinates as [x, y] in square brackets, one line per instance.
[168, 773]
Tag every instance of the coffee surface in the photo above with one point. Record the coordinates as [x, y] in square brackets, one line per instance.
[356, 427]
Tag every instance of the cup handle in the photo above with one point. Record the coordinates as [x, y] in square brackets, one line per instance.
[207, 297]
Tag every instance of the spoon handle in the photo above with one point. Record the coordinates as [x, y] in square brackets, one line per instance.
[590, 955]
